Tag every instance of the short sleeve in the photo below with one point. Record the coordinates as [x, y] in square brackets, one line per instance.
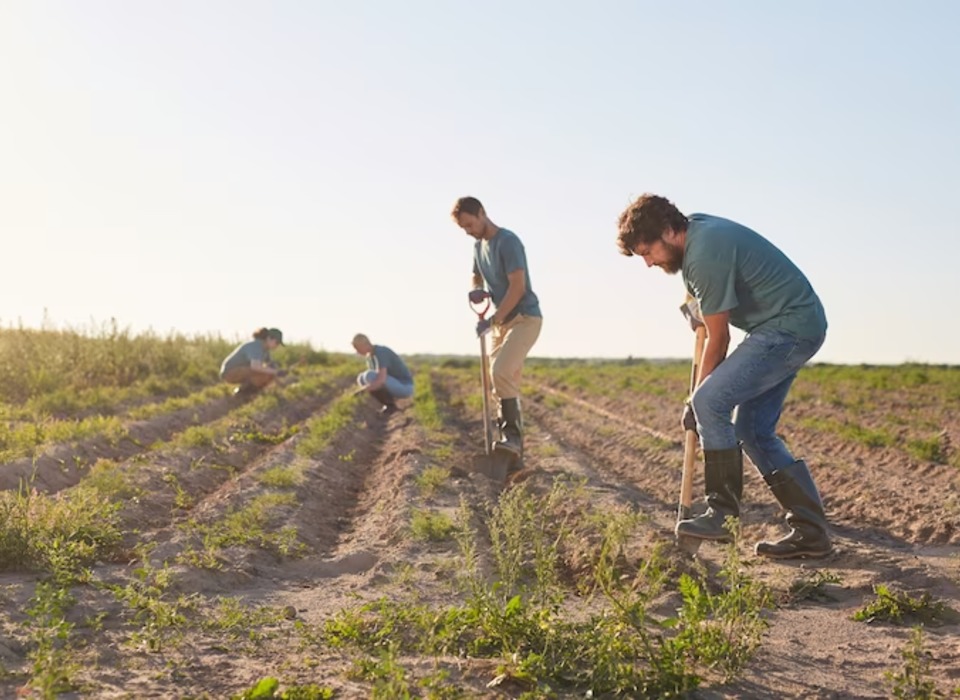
[714, 286]
[512, 256]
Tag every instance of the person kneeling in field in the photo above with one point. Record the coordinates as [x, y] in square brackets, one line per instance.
[386, 378]
[741, 279]
[249, 365]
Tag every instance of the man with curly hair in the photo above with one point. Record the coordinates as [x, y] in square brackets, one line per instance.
[741, 279]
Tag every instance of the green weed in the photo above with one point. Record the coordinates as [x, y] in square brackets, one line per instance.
[812, 586]
[320, 431]
[269, 689]
[58, 534]
[431, 526]
[108, 479]
[898, 607]
[280, 477]
[928, 449]
[431, 479]
[52, 664]
[912, 680]
[160, 617]
[247, 526]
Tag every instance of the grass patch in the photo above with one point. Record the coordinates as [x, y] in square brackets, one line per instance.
[269, 689]
[898, 607]
[912, 681]
[431, 480]
[110, 480]
[56, 534]
[927, 449]
[813, 586]
[320, 431]
[547, 638]
[24, 439]
[431, 526]
[280, 477]
[247, 526]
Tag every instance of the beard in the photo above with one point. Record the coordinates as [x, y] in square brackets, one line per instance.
[674, 262]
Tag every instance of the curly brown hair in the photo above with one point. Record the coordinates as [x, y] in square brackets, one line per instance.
[646, 220]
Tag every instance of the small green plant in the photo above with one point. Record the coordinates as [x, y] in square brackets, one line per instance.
[389, 678]
[320, 431]
[812, 586]
[431, 526]
[239, 621]
[431, 479]
[269, 689]
[898, 607]
[912, 680]
[927, 449]
[58, 534]
[161, 617]
[181, 498]
[198, 436]
[248, 526]
[52, 666]
[111, 481]
[280, 477]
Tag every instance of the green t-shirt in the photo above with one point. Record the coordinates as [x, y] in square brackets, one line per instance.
[244, 354]
[494, 260]
[383, 356]
[729, 267]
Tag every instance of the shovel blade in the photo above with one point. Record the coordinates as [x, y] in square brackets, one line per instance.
[689, 545]
[493, 466]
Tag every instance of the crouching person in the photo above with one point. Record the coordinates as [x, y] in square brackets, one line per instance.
[250, 365]
[387, 377]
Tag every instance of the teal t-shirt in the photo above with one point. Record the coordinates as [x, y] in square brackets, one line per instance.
[493, 260]
[729, 267]
[383, 356]
[244, 354]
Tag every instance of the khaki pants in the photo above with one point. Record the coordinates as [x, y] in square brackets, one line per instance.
[248, 375]
[511, 343]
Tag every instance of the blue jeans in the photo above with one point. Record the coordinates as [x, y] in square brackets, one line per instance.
[397, 389]
[754, 379]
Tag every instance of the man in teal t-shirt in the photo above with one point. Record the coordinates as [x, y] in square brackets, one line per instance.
[500, 272]
[387, 377]
[740, 279]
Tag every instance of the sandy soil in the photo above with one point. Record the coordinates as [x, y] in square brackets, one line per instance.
[896, 522]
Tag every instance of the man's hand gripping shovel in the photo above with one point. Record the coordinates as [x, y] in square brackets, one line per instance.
[691, 311]
[491, 463]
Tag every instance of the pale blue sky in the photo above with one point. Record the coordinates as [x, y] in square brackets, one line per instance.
[217, 166]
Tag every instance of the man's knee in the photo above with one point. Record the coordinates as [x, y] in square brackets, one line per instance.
[366, 377]
[708, 403]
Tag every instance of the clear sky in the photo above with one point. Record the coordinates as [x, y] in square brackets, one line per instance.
[217, 166]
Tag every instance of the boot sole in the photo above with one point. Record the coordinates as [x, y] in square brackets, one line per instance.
[725, 539]
[820, 554]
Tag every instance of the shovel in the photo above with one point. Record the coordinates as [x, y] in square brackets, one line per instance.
[490, 463]
[690, 544]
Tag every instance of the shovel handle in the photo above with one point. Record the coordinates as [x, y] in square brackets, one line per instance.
[690, 438]
[480, 309]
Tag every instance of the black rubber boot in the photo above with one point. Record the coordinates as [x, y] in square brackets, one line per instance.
[246, 391]
[809, 537]
[386, 398]
[723, 476]
[511, 428]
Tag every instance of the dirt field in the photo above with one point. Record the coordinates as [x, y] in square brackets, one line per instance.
[241, 544]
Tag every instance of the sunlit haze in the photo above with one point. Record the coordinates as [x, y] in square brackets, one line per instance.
[220, 166]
